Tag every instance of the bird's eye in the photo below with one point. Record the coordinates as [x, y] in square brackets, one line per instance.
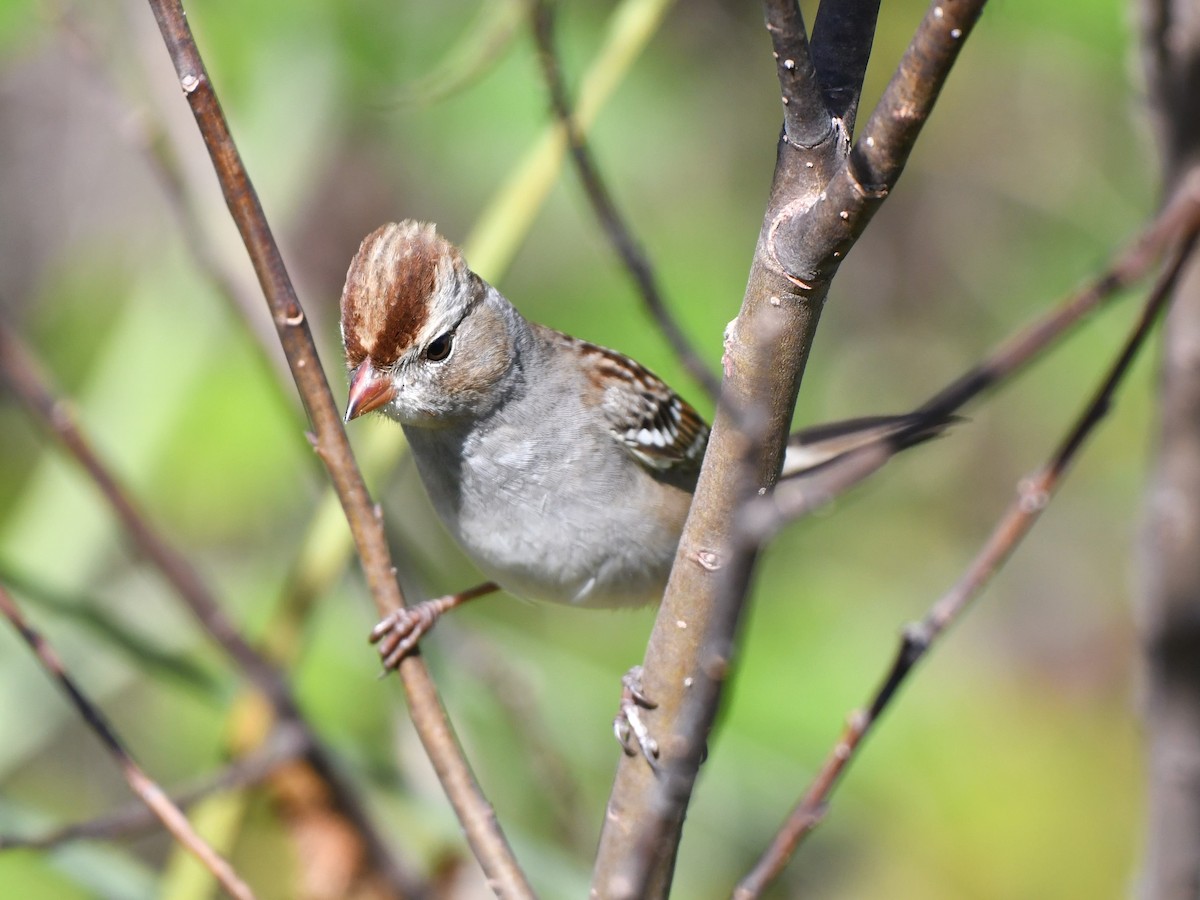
[439, 347]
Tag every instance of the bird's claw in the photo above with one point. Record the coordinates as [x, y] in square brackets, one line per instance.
[631, 732]
[399, 632]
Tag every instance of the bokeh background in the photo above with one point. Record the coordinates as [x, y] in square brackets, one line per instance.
[1011, 765]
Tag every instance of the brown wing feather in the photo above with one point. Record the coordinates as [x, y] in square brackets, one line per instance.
[645, 416]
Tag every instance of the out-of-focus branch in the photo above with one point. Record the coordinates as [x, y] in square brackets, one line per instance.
[1168, 601]
[21, 372]
[600, 198]
[140, 783]
[821, 198]
[146, 134]
[329, 439]
[1033, 495]
[286, 743]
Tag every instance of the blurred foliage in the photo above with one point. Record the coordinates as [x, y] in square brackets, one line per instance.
[1009, 768]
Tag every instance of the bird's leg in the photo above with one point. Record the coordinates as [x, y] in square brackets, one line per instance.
[397, 635]
[628, 725]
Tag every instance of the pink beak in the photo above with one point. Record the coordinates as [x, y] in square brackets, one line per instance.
[369, 389]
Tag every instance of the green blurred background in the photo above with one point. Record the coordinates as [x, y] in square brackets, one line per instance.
[1011, 765]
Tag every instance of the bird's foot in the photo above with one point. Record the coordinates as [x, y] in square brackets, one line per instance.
[628, 726]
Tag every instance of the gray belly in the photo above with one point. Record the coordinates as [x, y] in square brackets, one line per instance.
[544, 534]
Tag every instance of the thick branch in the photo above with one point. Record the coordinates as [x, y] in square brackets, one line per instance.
[329, 439]
[1033, 495]
[690, 651]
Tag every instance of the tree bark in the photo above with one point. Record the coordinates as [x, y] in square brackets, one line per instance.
[1169, 613]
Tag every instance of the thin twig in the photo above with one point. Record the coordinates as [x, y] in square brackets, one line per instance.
[1033, 495]
[21, 371]
[141, 784]
[605, 208]
[286, 743]
[147, 134]
[329, 440]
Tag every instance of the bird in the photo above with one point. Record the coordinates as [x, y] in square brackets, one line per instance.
[563, 469]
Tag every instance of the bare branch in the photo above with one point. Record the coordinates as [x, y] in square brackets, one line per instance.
[614, 225]
[286, 743]
[841, 48]
[809, 240]
[21, 372]
[1167, 610]
[1033, 495]
[483, 832]
[805, 118]
[792, 499]
[809, 224]
[141, 784]
[147, 134]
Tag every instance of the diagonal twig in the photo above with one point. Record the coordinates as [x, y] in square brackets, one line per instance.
[288, 742]
[600, 198]
[141, 784]
[329, 440]
[1033, 495]
[22, 373]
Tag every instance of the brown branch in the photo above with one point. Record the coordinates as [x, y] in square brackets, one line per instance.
[142, 785]
[806, 120]
[329, 439]
[286, 743]
[605, 209]
[809, 241]
[793, 499]
[22, 373]
[1033, 495]
[804, 236]
[1167, 599]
